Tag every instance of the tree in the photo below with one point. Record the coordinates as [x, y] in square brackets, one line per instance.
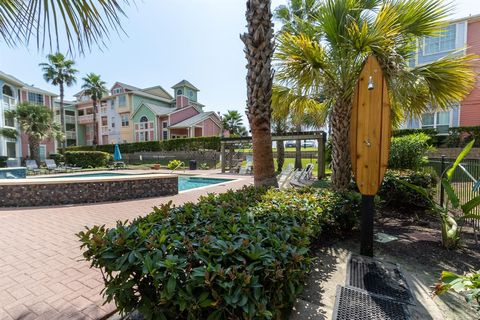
[233, 123]
[83, 23]
[38, 124]
[259, 50]
[329, 62]
[60, 72]
[94, 87]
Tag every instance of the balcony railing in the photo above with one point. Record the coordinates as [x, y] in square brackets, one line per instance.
[70, 134]
[68, 119]
[104, 129]
[85, 119]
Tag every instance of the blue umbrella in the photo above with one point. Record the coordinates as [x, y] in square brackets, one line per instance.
[117, 156]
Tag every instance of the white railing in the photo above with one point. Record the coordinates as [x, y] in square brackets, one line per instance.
[85, 119]
[103, 110]
[68, 119]
[70, 134]
[104, 129]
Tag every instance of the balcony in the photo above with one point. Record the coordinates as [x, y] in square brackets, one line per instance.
[85, 119]
[68, 119]
[9, 102]
[71, 135]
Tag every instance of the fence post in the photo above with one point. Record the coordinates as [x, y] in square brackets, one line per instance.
[442, 189]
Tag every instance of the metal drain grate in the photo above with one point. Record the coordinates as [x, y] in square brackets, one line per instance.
[355, 304]
[380, 278]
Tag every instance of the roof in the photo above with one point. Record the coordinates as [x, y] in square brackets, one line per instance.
[149, 95]
[193, 120]
[185, 83]
[158, 110]
[38, 90]
[126, 86]
[11, 79]
[165, 95]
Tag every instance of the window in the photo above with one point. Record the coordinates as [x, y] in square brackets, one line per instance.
[11, 149]
[117, 90]
[144, 130]
[7, 90]
[179, 92]
[436, 120]
[125, 119]
[43, 152]
[144, 119]
[35, 98]
[9, 121]
[104, 121]
[122, 100]
[165, 135]
[164, 124]
[164, 130]
[441, 43]
[190, 93]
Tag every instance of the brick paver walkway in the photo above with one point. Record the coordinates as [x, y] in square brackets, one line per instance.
[42, 271]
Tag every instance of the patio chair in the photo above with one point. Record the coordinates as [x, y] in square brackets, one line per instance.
[52, 166]
[304, 177]
[32, 166]
[248, 168]
[284, 177]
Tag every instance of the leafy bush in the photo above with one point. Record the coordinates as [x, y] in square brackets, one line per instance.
[461, 136]
[468, 285]
[186, 144]
[409, 152]
[174, 164]
[238, 255]
[57, 157]
[3, 161]
[87, 159]
[394, 193]
[204, 166]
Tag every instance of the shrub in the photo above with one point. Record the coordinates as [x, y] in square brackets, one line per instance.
[174, 164]
[394, 193]
[409, 152]
[57, 157]
[88, 159]
[204, 166]
[468, 285]
[461, 136]
[238, 255]
[186, 144]
[3, 161]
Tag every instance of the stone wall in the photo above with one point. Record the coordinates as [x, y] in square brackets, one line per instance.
[62, 193]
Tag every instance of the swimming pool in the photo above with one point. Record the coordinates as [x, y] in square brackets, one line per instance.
[184, 182]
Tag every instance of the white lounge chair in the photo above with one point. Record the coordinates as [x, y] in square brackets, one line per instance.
[247, 169]
[52, 166]
[284, 177]
[304, 177]
[32, 166]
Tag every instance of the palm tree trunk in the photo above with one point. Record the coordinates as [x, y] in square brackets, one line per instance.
[298, 150]
[280, 155]
[62, 117]
[95, 127]
[259, 51]
[341, 163]
[34, 145]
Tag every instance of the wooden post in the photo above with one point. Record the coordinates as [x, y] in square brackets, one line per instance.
[222, 156]
[321, 157]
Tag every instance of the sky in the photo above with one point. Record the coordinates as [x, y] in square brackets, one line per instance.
[168, 41]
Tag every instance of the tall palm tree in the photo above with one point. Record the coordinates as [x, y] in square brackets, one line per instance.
[94, 87]
[233, 123]
[82, 23]
[60, 72]
[259, 51]
[351, 30]
[38, 124]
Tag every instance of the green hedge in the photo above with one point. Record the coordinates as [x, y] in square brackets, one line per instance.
[57, 157]
[185, 144]
[3, 161]
[239, 255]
[396, 194]
[459, 137]
[409, 151]
[87, 159]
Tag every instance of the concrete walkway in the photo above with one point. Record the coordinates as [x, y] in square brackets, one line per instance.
[42, 271]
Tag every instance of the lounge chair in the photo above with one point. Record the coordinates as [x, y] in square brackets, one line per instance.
[32, 166]
[284, 177]
[52, 166]
[248, 168]
[304, 177]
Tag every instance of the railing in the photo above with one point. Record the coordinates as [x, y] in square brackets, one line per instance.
[70, 134]
[85, 119]
[464, 181]
[68, 119]
[103, 110]
[104, 129]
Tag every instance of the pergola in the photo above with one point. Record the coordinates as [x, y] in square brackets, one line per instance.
[320, 136]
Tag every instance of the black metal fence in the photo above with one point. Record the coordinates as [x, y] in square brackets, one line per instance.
[464, 179]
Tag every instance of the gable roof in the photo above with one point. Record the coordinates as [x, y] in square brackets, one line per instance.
[163, 93]
[149, 95]
[11, 79]
[125, 86]
[185, 83]
[38, 90]
[157, 110]
[193, 120]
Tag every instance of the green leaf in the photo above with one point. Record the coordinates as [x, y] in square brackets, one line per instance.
[451, 193]
[471, 204]
[171, 285]
[459, 159]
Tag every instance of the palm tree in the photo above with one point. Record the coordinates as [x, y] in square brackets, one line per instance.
[233, 123]
[38, 124]
[82, 23]
[94, 87]
[60, 72]
[259, 51]
[329, 63]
